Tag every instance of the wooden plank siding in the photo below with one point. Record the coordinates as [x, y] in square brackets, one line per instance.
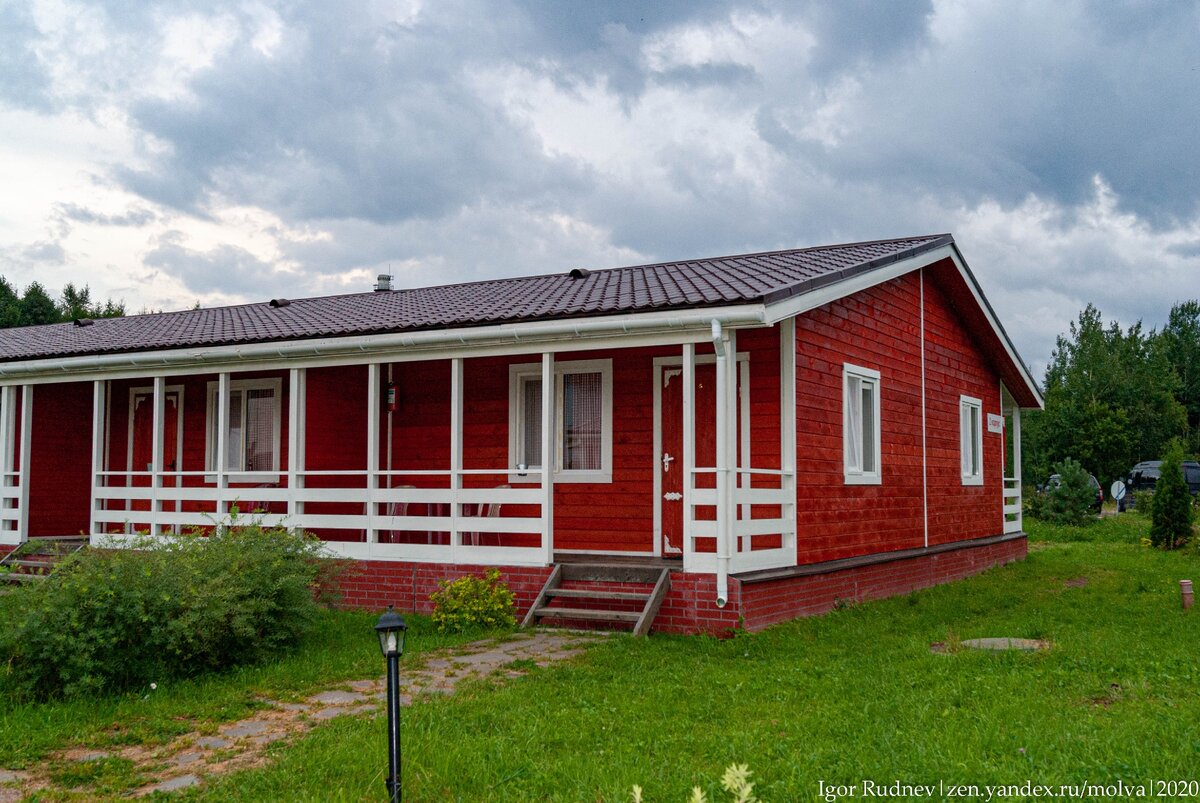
[880, 328]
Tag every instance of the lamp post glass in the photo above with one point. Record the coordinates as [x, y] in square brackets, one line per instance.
[391, 630]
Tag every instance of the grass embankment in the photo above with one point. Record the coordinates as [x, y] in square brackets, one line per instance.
[852, 695]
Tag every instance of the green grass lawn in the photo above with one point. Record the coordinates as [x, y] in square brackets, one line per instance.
[342, 647]
[853, 695]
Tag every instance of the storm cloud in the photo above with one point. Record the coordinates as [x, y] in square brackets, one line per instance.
[229, 148]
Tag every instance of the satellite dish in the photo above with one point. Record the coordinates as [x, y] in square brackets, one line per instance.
[1117, 491]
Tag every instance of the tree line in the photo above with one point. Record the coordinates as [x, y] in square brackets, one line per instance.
[35, 306]
[1116, 396]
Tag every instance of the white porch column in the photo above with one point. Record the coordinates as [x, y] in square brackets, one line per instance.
[26, 458]
[1016, 423]
[221, 458]
[787, 428]
[99, 433]
[156, 460]
[373, 391]
[689, 451]
[549, 457]
[297, 437]
[456, 451]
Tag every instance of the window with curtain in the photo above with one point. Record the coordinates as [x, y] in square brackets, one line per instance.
[860, 425]
[252, 426]
[971, 448]
[582, 420]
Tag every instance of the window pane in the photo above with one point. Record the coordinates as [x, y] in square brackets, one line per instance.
[854, 424]
[974, 441]
[260, 430]
[868, 427]
[233, 441]
[582, 400]
[531, 446]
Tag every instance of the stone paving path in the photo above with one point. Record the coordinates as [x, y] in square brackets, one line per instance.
[191, 758]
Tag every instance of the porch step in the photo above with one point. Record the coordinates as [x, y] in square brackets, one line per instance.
[591, 600]
[588, 613]
[38, 557]
[585, 593]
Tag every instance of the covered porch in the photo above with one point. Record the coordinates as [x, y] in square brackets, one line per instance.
[672, 447]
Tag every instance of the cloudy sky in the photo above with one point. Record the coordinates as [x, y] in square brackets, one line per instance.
[227, 151]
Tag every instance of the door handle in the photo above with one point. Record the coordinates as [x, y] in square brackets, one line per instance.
[666, 461]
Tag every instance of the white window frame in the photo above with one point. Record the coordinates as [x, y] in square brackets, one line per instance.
[852, 458]
[518, 376]
[971, 474]
[210, 424]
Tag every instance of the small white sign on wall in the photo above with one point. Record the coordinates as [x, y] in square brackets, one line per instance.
[995, 423]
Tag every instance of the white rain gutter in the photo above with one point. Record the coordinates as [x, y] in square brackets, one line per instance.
[743, 315]
[724, 496]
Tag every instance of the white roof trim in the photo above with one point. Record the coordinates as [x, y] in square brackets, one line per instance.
[645, 328]
[796, 305]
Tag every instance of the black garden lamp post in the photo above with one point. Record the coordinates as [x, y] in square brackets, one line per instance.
[391, 630]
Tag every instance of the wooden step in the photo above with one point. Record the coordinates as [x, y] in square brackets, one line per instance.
[20, 577]
[33, 564]
[587, 593]
[610, 573]
[588, 613]
[658, 578]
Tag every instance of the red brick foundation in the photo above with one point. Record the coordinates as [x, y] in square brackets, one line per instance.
[756, 601]
[374, 584]
[770, 601]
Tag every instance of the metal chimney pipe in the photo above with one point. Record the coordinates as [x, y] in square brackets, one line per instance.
[383, 283]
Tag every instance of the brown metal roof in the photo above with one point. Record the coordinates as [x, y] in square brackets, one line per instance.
[743, 279]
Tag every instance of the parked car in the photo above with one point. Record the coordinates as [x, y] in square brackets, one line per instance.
[1097, 503]
[1144, 476]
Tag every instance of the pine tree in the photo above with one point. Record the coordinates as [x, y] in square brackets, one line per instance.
[1171, 512]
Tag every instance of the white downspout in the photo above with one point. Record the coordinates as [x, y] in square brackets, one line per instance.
[722, 467]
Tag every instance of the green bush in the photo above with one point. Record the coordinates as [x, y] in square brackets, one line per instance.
[474, 602]
[118, 619]
[1171, 511]
[1071, 502]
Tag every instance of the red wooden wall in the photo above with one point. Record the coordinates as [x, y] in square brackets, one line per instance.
[879, 328]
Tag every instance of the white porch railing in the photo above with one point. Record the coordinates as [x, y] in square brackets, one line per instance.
[1012, 505]
[358, 514]
[10, 507]
[764, 523]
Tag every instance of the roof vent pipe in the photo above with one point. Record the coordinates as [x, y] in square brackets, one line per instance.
[580, 273]
[280, 302]
[383, 283]
[84, 322]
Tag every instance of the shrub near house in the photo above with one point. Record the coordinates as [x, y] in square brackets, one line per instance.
[1068, 502]
[121, 619]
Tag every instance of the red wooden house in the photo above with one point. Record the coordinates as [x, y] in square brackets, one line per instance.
[753, 437]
